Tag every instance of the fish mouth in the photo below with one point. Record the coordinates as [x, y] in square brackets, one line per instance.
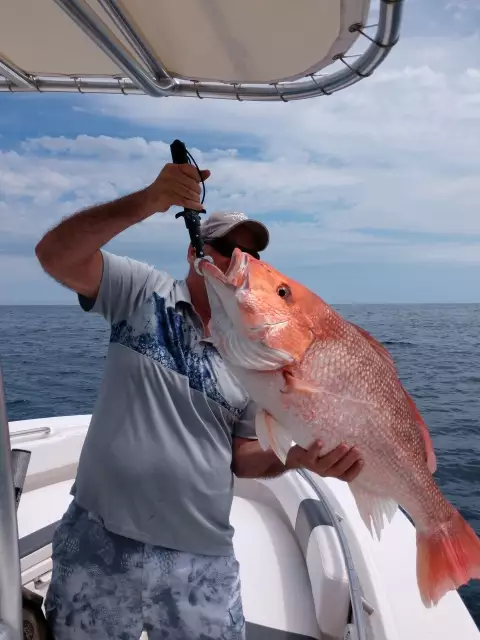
[236, 276]
[242, 345]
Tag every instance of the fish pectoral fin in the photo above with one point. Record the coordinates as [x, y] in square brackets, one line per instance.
[262, 430]
[293, 384]
[271, 434]
[372, 508]
[297, 385]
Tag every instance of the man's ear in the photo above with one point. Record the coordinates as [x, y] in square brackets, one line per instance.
[190, 254]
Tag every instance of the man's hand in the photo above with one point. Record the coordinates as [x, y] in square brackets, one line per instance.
[343, 462]
[176, 185]
[70, 252]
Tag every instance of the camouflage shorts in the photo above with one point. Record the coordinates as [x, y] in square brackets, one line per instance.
[107, 586]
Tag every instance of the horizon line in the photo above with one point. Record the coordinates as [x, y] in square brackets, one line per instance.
[385, 303]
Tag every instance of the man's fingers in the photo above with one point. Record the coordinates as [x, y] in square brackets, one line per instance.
[186, 182]
[183, 175]
[180, 200]
[353, 472]
[344, 464]
[314, 451]
[190, 171]
[184, 192]
[328, 460]
[190, 204]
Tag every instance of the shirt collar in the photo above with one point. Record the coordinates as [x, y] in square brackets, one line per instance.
[181, 292]
[182, 296]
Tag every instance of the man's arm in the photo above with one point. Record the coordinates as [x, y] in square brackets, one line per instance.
[70, 252]
[251, 461]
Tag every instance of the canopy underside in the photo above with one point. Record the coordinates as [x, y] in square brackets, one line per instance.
[254, 49]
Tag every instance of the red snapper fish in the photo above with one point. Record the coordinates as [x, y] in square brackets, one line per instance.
[314, 375]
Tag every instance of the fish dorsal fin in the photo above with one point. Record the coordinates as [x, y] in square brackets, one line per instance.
[430, 453]
[379, 348]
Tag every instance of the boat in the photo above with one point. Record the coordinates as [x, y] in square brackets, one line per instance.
[298, 581]
[309, 566]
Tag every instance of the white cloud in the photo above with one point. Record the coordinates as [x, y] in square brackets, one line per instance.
[462, 9]
[396, 152]
[420, 88]
[454, 252]
[103, 168]
[407, 139]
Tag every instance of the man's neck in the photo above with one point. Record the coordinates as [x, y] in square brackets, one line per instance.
[198, 295]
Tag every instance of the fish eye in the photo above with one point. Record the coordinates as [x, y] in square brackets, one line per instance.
[283, 291]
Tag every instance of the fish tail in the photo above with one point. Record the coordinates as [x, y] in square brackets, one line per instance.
[447, 558]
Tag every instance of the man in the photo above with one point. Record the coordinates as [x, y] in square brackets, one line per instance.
[146, 542]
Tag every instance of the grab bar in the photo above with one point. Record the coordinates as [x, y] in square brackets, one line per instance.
[31, 432]
[11, 625]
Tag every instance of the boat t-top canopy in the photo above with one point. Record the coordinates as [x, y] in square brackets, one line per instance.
[248, 50]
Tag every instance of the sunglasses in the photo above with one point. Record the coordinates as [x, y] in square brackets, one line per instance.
[225, 247]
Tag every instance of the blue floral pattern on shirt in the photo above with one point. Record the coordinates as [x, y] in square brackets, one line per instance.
[170, 337]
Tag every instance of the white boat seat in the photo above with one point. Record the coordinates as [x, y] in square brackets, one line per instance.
[321, 549]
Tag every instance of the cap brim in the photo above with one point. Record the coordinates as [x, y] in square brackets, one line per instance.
[260, 233]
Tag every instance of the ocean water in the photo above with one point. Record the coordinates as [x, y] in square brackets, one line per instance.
[53, 359]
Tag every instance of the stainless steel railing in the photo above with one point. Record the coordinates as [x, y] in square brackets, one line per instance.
[33, 431]
[11, 622]
[150, 78]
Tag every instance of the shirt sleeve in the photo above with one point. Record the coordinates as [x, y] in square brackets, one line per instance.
[124, 286]
[244, 427]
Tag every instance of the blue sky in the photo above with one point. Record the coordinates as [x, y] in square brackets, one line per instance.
[371, 195]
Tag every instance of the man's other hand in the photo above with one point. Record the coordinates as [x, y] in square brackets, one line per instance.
[343, 462]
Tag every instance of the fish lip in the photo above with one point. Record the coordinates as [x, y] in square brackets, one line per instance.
[210, 270]
[237, 272]
[236, 276]
[236, 262]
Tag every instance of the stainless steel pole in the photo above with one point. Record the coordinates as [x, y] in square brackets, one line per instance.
[11, 623]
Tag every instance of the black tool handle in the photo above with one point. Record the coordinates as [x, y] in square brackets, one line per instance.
[179, 152]
[191, 217]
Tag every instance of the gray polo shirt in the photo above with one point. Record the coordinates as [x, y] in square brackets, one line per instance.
[156, 462]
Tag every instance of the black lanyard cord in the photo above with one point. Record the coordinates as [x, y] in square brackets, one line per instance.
[180, 155]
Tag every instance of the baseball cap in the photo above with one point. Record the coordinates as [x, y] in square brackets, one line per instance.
[218, 223]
